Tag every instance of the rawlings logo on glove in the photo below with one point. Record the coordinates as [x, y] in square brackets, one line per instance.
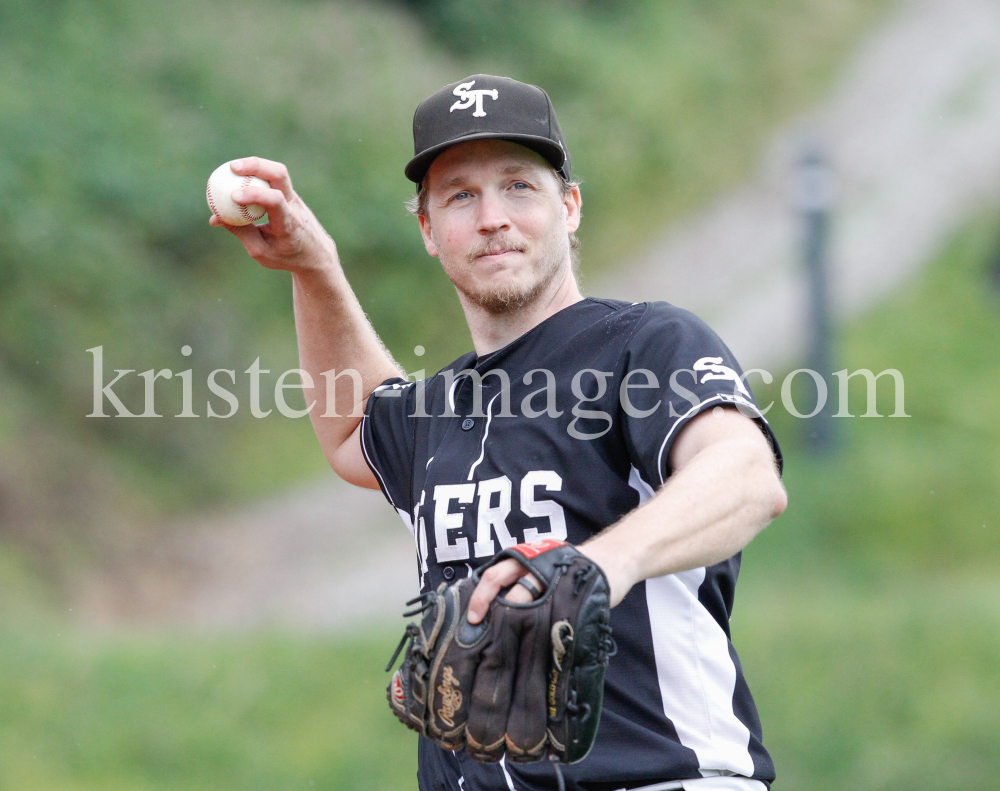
[526, 682]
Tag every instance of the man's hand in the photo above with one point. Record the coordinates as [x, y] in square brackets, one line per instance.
[508, 572]
[494, 579]
[292, 239]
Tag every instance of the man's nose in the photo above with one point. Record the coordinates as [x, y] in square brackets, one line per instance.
[493, 215]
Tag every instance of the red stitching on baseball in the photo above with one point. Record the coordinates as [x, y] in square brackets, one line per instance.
[211, 200]
[245, 210]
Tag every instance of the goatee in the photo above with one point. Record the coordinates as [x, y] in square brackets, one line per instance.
[511, 297]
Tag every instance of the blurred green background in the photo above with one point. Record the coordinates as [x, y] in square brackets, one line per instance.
[867, 618]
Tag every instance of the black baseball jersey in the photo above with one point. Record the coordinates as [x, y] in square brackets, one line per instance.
[558, 435]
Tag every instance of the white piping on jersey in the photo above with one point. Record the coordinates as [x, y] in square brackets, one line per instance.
[371, 464]
[486, 433]
[407, 520]
[506, 774]
[420, 538]
[451, 391]
[636, 481]
[696, 675]
[422, 548]
[719, 783]
[736, 401]
[415, 525]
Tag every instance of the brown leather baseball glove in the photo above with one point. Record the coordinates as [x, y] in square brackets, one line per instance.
[528, 681]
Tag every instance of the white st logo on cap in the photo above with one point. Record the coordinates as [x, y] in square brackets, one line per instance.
[467, 98]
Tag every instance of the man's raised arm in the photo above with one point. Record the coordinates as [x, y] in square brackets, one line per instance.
[333, 332]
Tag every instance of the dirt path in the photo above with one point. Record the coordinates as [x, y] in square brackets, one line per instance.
[323, 556]
[913, 133]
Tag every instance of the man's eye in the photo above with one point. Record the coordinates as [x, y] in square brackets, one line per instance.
[461, 196]
[520, 185]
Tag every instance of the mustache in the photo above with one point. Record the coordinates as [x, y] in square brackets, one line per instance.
[497, 243]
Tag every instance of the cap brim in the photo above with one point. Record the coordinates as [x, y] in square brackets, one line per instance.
[417, 167]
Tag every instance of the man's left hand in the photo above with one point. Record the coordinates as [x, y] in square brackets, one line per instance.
[508, 572]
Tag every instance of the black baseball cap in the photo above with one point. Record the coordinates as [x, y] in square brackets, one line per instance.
[480, 107]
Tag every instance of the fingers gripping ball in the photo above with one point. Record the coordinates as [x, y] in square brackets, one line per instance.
[527, 682]
[221, 185]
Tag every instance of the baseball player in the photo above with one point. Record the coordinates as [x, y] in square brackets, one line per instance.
[623, 429]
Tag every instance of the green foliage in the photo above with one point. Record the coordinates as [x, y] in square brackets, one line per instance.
[887, 685]
[920, 491]
[114, 112]
[187, 712]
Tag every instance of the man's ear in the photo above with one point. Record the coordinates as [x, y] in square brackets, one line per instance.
[425, 231]
[573, 201]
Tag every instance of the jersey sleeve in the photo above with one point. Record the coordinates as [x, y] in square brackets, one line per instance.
[676, 367]
[387, 441]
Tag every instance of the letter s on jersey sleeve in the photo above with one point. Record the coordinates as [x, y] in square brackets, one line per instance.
[675, 367]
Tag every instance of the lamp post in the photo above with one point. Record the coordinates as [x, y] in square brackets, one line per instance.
[814, 197]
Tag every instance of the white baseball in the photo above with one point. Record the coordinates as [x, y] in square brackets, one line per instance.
[221, 186]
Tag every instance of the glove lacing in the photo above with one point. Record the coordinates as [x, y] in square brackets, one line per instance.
[427, 600]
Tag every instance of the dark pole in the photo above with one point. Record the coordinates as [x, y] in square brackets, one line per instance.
[815, 198]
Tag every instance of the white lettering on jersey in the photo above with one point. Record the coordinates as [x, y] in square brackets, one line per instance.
[467, 98]
[718, 371]
[493, 518]
[557, 517]
[444, 520]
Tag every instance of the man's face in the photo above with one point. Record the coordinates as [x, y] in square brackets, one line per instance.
[500, 223]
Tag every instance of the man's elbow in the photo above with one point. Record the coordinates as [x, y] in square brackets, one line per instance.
[778, 498]
[772, 494]
[349, 463]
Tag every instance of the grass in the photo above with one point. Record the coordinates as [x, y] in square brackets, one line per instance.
[890, 684]
[182, 711]
[887, 686]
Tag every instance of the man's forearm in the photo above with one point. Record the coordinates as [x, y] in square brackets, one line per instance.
[707, 511]
[335, 336]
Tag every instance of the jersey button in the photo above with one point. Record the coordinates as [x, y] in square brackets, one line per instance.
[448, 572]
[468, 423]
